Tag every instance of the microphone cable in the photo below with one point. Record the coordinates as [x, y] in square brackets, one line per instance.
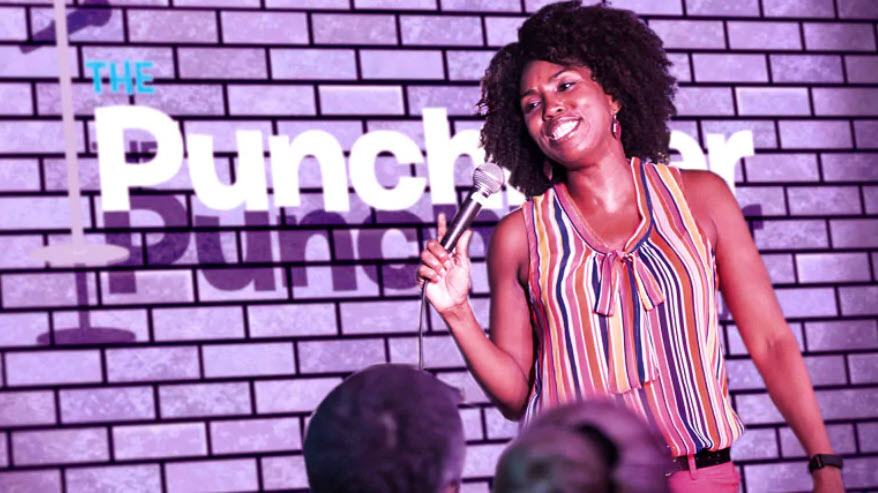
[421, 326]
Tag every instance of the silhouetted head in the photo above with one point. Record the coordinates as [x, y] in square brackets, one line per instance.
[388, 428]
[586, 447]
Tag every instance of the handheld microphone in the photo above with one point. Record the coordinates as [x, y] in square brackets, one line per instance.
[487, 179]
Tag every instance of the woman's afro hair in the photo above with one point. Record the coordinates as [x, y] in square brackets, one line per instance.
[625, 57]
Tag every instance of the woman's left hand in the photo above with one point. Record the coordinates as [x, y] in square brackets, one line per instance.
[828, 480]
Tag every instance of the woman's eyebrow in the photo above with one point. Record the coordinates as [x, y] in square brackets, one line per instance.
[558, 74]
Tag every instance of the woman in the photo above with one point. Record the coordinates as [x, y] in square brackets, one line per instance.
[604, 283]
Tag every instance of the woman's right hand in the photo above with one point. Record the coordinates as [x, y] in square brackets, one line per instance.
[448, 274]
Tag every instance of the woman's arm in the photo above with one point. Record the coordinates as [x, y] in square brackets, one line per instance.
[501, 365]
[747, 291]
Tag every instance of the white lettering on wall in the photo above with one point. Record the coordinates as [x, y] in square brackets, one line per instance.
[286, 159]
[725, 153]
[362, 169]
[250, 189]
[117, 176]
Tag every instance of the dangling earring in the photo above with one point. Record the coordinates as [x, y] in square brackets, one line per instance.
[616, 128]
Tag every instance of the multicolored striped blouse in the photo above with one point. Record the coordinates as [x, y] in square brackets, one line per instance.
[637, 324]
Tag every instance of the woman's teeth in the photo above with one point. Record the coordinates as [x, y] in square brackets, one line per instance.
[563, 129]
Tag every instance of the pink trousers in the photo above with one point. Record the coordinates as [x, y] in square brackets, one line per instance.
[722, 478]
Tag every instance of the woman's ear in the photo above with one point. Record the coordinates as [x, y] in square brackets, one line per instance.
[615, 105]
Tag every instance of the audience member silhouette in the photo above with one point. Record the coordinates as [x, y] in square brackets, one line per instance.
[386, 429]
[586, 447]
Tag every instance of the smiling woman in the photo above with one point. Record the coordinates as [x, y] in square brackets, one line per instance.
[605, 283]
[566, 112]
[612, 51]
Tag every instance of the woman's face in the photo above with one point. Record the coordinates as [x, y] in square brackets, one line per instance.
[567, 113]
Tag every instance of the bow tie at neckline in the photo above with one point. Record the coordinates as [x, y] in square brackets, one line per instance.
[631, 358]
[612, 266]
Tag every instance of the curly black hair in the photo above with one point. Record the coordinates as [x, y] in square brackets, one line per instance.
[625, 57]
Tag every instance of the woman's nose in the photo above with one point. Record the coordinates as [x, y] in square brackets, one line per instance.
[552, 107]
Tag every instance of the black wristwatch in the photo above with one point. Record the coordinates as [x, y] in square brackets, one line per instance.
[819, 461]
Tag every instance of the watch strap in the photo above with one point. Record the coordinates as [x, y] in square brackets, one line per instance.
[819, 461]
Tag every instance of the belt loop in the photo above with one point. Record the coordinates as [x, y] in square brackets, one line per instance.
[693, 474]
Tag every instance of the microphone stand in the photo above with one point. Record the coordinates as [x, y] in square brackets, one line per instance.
[79, 254]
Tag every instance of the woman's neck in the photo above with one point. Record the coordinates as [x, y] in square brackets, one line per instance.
[604, 184]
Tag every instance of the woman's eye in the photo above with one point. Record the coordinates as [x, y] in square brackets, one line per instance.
[565, 85]
[530, 106]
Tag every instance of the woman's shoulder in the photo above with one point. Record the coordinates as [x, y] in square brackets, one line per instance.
[702, 186]
[509, 244]
[706, 193]
[697, 185]
[512, 227]
[700, 177]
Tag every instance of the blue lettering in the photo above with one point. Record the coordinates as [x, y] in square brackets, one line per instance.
[95, 68]
[141, 78]
[125, 80]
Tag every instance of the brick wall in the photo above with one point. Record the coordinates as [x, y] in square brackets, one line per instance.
[243, 321]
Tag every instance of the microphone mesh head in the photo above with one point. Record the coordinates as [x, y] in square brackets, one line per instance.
[489, 177]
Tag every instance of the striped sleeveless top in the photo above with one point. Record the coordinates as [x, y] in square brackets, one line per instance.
[640, 324]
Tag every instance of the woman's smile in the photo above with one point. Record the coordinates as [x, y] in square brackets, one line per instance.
[562, 129]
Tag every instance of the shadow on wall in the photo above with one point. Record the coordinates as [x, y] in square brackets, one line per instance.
[79, 19]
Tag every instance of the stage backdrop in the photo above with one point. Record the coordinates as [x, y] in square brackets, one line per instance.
[241, 307]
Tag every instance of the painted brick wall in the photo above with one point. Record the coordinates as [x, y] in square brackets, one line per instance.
[242, 322]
